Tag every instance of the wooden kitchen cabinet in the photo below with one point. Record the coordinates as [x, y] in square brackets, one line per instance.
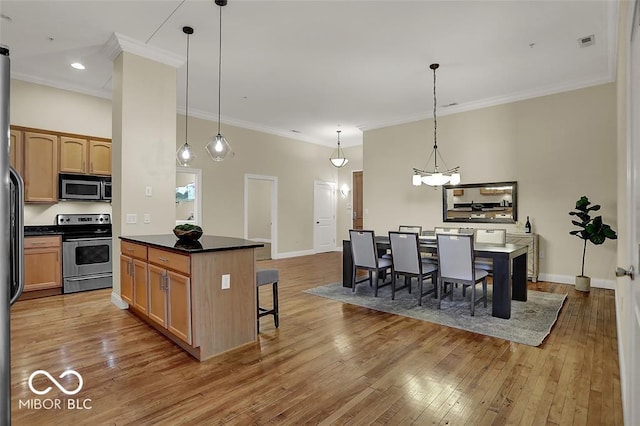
[133, 276]
[42, 263]
[100, 157]
[40, 167]
[16, 150]
[169, 294]
[78, 155]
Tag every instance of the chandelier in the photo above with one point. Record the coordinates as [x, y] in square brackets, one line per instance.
[337, 158]
[185, 154]
[435, 177]
[218, 147]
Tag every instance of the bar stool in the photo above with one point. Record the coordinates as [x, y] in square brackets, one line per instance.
[264, 277]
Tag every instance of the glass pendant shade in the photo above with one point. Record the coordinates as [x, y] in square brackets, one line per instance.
[339, 161]
[436, 179]
[218, 148]
[185, 155]
[417, 180]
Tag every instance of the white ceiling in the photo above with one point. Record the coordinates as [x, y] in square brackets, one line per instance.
[312, 66]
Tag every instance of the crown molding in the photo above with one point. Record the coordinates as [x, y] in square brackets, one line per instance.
[486, 103]
[105, 94]
[119, 43]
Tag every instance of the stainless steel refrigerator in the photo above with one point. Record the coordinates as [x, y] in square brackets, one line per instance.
[12, 241]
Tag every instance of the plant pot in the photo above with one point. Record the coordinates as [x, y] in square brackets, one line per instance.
[583, 283]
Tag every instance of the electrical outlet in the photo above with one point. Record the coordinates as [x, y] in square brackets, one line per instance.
[132, 218]
[147, 218]
[226, 281]
[541, 254]
[148, 191]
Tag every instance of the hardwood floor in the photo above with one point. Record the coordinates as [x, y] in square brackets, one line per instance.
[328, 363]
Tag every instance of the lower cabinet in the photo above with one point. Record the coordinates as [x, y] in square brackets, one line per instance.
[169, 301]
[156, 283]
[42, 263]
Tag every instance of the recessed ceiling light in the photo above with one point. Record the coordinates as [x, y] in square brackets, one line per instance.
[77, 65]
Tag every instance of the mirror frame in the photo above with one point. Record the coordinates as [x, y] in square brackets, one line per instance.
[514, 202]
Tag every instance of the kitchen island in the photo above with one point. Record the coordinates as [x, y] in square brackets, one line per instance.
[201, 295]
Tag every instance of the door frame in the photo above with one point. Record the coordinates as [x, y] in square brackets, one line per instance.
[353, 204]
[274, 208]
[198, 202]
[334, 187]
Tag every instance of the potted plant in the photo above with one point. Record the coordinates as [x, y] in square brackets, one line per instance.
[591, 229]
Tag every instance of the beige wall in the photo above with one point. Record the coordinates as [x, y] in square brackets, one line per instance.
[42, 107]
[295, 164]
[556, 147]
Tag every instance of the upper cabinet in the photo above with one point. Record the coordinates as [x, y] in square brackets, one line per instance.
[39, 155]
[16, 151]
[85, 156]
[99, 157]
[40, 167]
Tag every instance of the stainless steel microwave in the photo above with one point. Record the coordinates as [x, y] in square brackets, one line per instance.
[84, 187]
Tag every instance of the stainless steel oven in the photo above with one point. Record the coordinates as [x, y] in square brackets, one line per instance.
[86, 251]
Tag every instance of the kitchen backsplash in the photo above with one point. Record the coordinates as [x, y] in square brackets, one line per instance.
[35, 214]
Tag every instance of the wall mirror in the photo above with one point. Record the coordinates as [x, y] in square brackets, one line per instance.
[188, 196]
[495, 202]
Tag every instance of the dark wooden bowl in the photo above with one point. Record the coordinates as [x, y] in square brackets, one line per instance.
[192, 235]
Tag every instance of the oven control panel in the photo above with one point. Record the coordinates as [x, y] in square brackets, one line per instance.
[83, 219]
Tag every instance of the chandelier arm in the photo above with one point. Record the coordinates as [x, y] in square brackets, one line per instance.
[435, 121]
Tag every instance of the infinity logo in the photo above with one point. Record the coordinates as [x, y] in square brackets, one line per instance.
[55, 382]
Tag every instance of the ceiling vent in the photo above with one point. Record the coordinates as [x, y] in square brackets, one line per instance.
[587, 40]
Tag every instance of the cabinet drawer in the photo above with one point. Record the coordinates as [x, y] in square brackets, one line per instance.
[40, 242]
[134, 250]
[170, 260]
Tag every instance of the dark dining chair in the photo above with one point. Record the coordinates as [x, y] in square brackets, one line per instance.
[456, 266]
[405, 254]
[365, 256]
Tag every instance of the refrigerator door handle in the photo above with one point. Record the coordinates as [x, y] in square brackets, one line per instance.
[19, 224]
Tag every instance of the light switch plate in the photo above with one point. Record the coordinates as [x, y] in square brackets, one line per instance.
[147, 218]
[148, 191]
[226, 281]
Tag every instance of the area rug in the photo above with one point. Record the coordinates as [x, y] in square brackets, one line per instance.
[530, 321]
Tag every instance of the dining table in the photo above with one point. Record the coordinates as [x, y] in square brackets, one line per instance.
[509, 269]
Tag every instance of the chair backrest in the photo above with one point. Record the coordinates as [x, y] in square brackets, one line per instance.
[455, 256]
[410, 228]
[363, 248]
[446, 230]
[405, 252]
[491, 236]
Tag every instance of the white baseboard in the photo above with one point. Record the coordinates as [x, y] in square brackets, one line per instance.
[260, 240]
[117, 300]
[570, 279]
[293, 254]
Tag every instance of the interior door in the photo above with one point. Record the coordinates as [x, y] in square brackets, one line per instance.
[357, 200]
[324, 206]
[627, 290]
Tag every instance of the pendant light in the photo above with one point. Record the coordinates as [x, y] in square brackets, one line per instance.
[218, 147]
[435, 177]
[185, 154]
[337, 158]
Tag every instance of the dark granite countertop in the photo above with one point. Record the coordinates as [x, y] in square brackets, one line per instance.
[204, 244]
[41, 230]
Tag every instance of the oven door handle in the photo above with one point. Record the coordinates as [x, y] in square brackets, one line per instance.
[73, 240]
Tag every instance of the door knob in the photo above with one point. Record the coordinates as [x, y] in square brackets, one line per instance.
[620, 272]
